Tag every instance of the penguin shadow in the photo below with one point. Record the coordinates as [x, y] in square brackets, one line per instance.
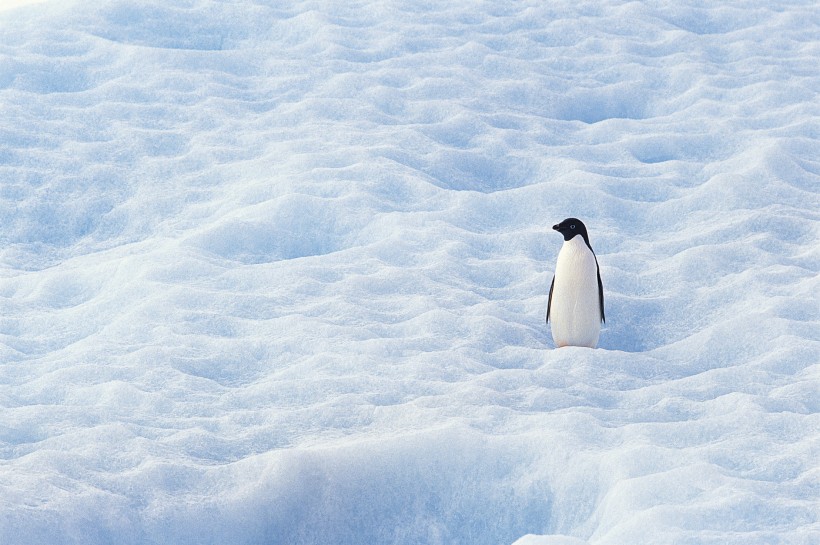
[634, 325]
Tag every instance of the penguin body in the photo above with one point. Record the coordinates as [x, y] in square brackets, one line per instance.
[576, 299]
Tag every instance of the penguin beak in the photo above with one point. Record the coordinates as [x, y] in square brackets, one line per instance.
[555, 227]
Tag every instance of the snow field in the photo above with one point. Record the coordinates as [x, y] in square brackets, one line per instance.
[277, 273]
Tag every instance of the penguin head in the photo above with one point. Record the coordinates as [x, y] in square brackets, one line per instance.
[572, 227]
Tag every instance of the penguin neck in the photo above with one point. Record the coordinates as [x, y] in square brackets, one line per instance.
[579, 240]
[573, 249]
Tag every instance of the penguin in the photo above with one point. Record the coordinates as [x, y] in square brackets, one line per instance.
[576, 300]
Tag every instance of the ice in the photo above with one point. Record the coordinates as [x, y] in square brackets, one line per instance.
[277, 272]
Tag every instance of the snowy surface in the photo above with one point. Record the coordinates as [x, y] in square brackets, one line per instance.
[14, 4]
[276, 272]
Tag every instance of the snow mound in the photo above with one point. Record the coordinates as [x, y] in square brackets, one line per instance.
[277, 273]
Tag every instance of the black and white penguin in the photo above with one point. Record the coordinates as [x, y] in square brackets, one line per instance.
[576, 301]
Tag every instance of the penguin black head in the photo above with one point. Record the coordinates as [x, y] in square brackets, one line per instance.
[571, 227]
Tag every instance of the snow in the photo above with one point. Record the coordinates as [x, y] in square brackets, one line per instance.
[6, 5]
[277, 272]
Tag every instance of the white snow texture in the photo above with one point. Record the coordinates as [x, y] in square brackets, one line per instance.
[276, 272]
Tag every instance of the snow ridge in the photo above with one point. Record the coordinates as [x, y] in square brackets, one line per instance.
[277, 273]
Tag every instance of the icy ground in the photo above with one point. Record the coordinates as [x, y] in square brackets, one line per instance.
[276, 272]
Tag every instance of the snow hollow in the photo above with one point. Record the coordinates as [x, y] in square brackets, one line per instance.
[276, 272]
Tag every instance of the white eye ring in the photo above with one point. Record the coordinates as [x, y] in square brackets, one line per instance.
[572, 227]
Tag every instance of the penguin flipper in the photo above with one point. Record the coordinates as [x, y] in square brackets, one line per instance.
[600, 293]
[549, 301]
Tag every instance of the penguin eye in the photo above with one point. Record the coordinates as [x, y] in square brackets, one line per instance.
[572, 226]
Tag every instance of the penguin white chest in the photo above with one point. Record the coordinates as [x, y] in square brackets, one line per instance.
[574, 307]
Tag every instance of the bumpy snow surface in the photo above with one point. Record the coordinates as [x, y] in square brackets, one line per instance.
[276, 272]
